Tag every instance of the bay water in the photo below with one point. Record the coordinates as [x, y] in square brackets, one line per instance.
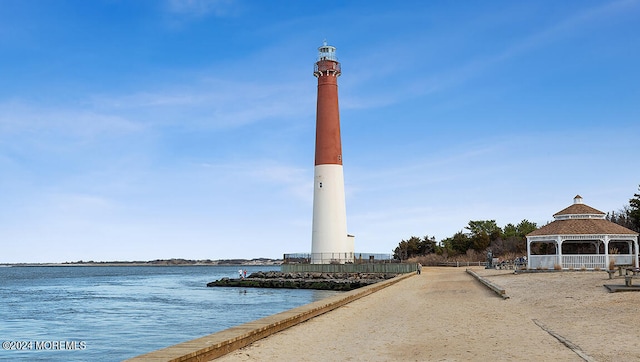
[111, 313]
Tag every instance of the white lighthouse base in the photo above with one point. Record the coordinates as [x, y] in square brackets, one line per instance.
[329, 241]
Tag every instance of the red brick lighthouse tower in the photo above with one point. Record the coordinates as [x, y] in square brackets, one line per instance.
[330, 242]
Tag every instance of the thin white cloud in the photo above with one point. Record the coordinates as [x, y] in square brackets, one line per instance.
[285, 179]
[296, 181]
[561, 30]
[18, 117]
[212, 103]
[461, 72]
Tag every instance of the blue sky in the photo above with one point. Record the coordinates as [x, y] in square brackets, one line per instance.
[138, 130]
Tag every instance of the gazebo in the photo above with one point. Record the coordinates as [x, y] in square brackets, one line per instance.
[582, 238]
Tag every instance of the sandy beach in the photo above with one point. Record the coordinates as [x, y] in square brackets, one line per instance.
[444, 314]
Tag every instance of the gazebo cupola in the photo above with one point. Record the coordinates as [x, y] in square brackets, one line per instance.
[581, 237]
[579, 211]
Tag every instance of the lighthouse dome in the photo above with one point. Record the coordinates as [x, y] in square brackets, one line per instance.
[327, 52]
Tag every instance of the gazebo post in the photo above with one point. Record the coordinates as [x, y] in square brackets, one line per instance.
[559, 251]
[635, 253]
[606, 252]
[528, 253]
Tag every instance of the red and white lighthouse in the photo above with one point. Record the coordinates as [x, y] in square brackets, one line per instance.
[330, 242]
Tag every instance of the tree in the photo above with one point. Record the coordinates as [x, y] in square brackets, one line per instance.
[428, 245]
[622, 217]
[483, 233]
[406, 248]
[414, 246]
[488, 226]
[509, 231]
[524, 227]
[629, 215]
[459, 243]
[634, 211]
[514, 238]
[480, 241]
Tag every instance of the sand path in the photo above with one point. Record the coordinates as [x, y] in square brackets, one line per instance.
[444, 315]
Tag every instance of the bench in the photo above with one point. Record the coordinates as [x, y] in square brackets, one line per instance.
[622, 266]
[633, 271]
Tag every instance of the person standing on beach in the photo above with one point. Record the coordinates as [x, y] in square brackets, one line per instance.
[240, 274]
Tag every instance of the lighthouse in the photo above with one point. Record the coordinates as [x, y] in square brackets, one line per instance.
[329, 242]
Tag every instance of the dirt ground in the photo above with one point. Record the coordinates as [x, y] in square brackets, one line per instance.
[444, 314]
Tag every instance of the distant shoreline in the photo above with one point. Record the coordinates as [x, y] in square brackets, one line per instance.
[160, 262]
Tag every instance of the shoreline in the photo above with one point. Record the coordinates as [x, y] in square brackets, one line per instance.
[224, 342]
[274, 262]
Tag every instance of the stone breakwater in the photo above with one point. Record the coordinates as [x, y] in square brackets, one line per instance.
[319, 281]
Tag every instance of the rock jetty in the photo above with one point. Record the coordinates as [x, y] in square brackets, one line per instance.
[319, 281]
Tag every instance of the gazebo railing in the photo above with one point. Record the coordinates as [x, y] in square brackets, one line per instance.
[542, 261]
[623, 259]
[587, 261]
[584, 261]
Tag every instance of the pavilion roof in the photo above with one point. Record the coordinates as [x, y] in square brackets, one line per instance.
[582, 227]
[578, 209]
[581, 219]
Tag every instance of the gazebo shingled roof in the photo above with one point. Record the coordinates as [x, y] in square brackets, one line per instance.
[579, 209]
[582, 227]
[581, 219]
